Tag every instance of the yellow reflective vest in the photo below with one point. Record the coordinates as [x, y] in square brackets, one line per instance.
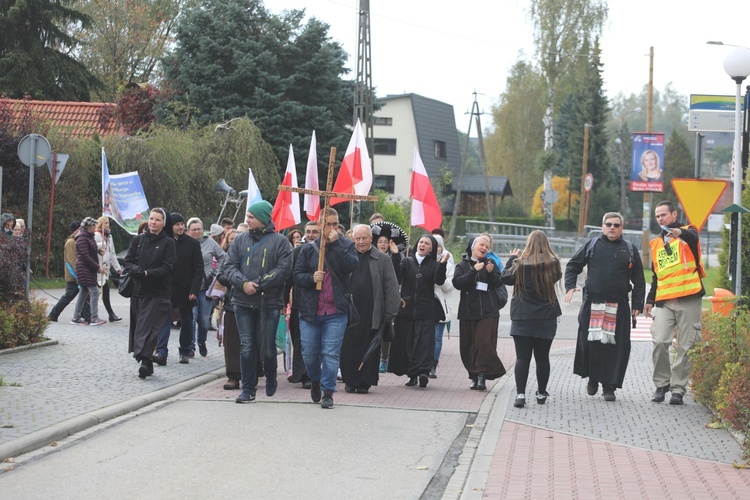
[676, 270]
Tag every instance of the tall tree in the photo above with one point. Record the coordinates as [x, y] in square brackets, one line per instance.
[678, 163]
[518, 137]
[125, 40]
[561, 29]
[35, 51]
[233, 58]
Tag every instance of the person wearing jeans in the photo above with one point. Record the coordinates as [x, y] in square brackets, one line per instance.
[257, 265]
[213, 259]
[71, 286]
[324, 313]
[87, 266]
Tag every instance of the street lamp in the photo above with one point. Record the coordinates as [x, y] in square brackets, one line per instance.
[737, 66]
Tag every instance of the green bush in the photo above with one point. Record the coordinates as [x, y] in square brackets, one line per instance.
[721, 369]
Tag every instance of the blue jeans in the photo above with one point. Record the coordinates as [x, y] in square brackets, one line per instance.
[201, 318]
[321, 347]
[253, 326]
[92, 294]
[439, 330]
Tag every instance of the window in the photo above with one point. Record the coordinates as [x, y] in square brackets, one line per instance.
[385, 147]
[383, 121]
[440, 150]
[386, 183]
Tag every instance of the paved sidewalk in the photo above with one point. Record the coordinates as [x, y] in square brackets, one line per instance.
[575, 446]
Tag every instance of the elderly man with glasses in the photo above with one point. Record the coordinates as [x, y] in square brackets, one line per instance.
[614, 268]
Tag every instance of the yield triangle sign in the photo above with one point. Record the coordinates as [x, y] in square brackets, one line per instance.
[698, 197]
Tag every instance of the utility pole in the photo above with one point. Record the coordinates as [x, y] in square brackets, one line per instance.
[363, 90]
[648, 200]
[457, 202]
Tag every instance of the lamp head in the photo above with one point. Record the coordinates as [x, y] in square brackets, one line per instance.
[737, 64]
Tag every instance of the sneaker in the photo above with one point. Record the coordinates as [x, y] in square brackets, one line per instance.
[592, 387]
[97, 322]
[676, 399]
[159, 359]
[245, 397]
[271, 386]
[307, 384]
[202, 349]
[433, 372]
[520, 401]
[660, 394]
[232, 385]
[383, 365]
[191, 354]
[315, 391]
[327, 402]
[184, 359]
[541, 398]
[79, 321]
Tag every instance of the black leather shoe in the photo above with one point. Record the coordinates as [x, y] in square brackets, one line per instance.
[306, 384]
[660, 394]
[412, 382]
[423, 381]
[232, 385]
[362, 390]
[114, 317]
[676, 399]
[592, 387]
[473, 385]
[144, 371]
[159, 359]
[481, 383]
[349, 389]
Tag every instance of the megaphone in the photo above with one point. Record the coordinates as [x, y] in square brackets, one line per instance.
[223, 187]
[242, 195]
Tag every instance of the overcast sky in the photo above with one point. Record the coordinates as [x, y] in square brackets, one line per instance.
[447, 49]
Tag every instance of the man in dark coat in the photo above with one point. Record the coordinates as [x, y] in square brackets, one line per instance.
[324, 313]
[257, 265]
[71, 286]
[375, 295]
[87, 265]
[187, 276]
[603, 347]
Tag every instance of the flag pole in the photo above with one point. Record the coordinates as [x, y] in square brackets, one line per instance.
[409, 232]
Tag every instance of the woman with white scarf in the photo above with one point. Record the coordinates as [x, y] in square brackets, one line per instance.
[107, 260]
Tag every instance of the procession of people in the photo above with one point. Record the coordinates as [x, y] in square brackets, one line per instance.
[380, 306]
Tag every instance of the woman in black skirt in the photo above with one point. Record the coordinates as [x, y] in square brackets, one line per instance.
[150, 259]
[477, 278]
[413, 346]
[534, 310]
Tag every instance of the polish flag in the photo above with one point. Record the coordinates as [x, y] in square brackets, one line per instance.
[253, 192]
[286, 209]
[355, 174]
[312, 202]
[425, 209]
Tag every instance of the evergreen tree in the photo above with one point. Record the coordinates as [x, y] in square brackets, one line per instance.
[678, 164]
[234, 58]
[35, 51]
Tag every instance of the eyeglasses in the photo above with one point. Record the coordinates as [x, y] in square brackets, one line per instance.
[615, 224]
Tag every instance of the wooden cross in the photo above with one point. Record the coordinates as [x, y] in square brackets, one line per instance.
[327, 195]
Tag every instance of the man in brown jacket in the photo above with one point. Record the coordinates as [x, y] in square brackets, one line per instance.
[71, 285]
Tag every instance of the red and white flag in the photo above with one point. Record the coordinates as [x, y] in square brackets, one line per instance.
[425, 209]
[286, 209]
[312, 202]
[355, 174]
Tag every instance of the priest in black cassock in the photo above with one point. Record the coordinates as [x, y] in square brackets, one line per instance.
[376, 297]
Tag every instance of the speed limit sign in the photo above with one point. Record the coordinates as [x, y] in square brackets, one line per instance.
[588, 183]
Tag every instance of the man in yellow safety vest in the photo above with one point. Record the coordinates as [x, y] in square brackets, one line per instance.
[676, 290]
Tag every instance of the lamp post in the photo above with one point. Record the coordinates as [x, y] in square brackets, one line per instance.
[737, 66]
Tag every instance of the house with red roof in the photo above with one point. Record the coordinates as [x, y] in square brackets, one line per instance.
[79, 120]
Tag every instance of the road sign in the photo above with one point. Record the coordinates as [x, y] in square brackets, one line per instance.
[550, 196]
[711, 121]
[62, 159]
[588, 183]
[698, 197]
[41, 150]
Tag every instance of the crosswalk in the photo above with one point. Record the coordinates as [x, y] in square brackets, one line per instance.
[642, 330]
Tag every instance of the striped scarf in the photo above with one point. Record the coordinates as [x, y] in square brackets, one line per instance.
[603, 322]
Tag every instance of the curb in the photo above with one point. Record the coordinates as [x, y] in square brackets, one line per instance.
[62, 430]
[27, 347]
[471, 472]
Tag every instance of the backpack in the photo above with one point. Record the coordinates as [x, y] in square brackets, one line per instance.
[592, 243]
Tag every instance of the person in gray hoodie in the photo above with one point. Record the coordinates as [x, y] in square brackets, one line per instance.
[257, 265]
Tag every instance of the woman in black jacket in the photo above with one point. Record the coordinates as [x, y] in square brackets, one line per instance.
[150, 259]
[477, 278]
[534, 310]
[413, 347]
